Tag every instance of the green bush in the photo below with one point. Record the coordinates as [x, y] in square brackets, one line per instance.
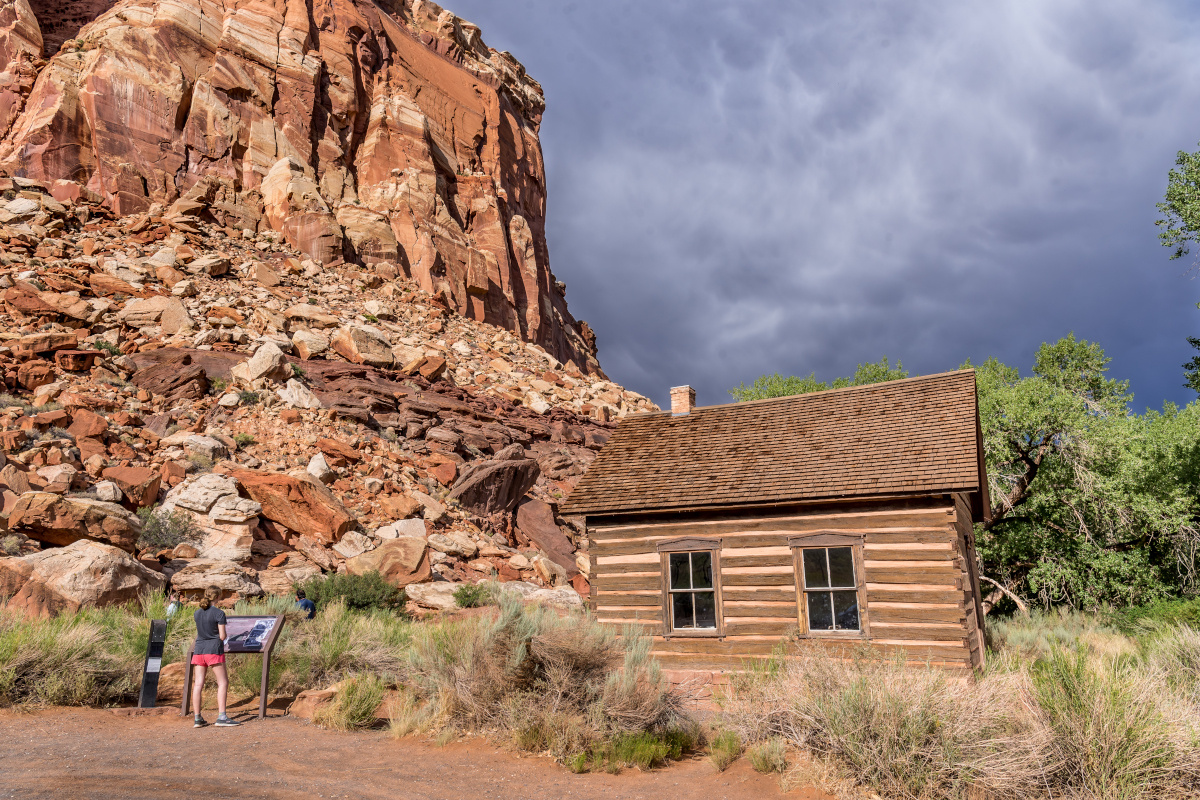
[162, 531]
[357, 592]
[474, 595]
[725, 749]
[243, 440]
[1136, 619]
[10, 546]
[355, 704]
[769, 756]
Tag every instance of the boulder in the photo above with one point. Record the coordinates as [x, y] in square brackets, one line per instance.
[201, 492]
[197, 575]
[319, 468]
[139, 485]
[298, 504]
[496, 485]
[402, 528]
[438, 594]
[165, 311]
[535, 519]
[56, 520]
[308, 344]
[362, 344]
[315, 552]
[85, 424]
[453, 544]
[564, 597]
[268, 362]
[65, 579]
[297, 395]
[352, 544]
[400, 561]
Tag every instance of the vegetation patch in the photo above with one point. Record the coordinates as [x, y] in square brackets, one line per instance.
[356, 592]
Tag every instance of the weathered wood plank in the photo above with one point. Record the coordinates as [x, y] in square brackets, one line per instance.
[929, 573]
[735, 610]
[637, 612]
[737, 627]
[755, 561]
[782, 579]
[908, 556]
[800, 523]
[607, 598]
[897, 613]
[924, 632]
[766, 594]
[617, 582]
[903, 593]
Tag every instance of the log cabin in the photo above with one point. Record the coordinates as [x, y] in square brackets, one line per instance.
[843, 518]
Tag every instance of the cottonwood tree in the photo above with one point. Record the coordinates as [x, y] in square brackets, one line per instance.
[1090, 504]
[1179, 229]
[778, 386]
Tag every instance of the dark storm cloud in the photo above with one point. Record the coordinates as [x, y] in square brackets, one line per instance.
[740, 188]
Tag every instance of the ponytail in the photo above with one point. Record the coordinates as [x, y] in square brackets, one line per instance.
[210, 594]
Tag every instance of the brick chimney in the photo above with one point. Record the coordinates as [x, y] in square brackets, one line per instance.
[683, 399]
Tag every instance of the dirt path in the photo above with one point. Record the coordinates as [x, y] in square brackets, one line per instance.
[90, 753]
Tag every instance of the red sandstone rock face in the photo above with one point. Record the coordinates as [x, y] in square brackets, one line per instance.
[377, 131]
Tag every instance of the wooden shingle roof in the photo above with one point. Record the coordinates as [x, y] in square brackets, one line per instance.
[913, 436]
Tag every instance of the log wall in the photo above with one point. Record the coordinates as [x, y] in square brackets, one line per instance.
[921, 595]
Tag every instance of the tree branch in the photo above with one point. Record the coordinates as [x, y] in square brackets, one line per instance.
[1020, 603]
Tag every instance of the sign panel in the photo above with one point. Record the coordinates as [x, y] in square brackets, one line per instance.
[153, 663]
[247, 634]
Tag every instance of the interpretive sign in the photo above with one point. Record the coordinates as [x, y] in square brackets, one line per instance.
[244, 635]
[153, 663]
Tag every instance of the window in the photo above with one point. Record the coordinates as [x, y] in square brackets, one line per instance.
[691, 587]
[830, 590]
[829, 583]
[693, 595]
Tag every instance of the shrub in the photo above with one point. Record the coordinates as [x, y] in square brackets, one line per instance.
[357, 592]
[243, 440]
[297, 371]
[566, 685]
[473, 595]
[10, 545]
[768, 756]
[248, 398]
[910, 732]
[725, 749]
[161, 531]
[1109, 733]
[107, 347]
[1163, 612]
[354, 706]
[201, 462]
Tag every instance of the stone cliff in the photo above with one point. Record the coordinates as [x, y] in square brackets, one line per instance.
[382, 131]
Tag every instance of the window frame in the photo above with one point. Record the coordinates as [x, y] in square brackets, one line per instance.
[691, 544]
[822, 540]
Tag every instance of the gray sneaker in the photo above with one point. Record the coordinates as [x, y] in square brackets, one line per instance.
[225, 722]
[199, 722]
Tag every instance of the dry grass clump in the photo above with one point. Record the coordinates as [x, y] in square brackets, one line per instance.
[551, 683]
[92, 657]
[1073, 723]
[768, 756]
[355, 705]
[725, 748]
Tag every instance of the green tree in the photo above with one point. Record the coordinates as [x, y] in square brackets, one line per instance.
[1090, 504]
[778, 386]
[1180, 223]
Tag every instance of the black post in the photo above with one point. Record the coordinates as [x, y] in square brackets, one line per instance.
[153, 663]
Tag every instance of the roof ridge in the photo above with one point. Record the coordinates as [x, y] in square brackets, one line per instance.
[822, 392]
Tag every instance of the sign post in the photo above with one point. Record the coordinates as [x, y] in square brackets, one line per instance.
[253, 635]
[153, 663]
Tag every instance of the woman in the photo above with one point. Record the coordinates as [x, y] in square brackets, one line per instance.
[209, 651]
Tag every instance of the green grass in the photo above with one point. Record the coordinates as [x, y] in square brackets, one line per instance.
[768, 756]
[474, 595]
[726, 748]
[357, 592]
[355, 704]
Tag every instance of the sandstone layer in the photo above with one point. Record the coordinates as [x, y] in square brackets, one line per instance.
[368, 131]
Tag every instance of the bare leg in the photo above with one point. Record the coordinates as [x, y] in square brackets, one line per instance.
[198, 673]
[222, 677]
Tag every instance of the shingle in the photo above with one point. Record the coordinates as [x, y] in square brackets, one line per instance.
[914, 435]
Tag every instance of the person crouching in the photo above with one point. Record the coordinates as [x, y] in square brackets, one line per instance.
[209, 651]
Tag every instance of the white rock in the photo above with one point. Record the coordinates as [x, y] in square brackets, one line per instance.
[297, 395]
[454, 544]
[536, 403]
[206, 446]
[373, 485]
[231, 508]
[201, 493]
[229, 400]
[268, 362]
[319, 468]
[414, 528]
[108, 491]
[438, 595]
[352, 544]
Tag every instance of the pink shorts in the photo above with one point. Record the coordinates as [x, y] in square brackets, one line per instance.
[207, 661]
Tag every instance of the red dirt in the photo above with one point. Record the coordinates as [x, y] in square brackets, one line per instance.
[90, 753]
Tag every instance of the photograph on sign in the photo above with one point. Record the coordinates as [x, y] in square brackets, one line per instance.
[247, 634]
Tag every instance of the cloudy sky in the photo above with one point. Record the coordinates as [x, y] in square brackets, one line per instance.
[745, 187]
